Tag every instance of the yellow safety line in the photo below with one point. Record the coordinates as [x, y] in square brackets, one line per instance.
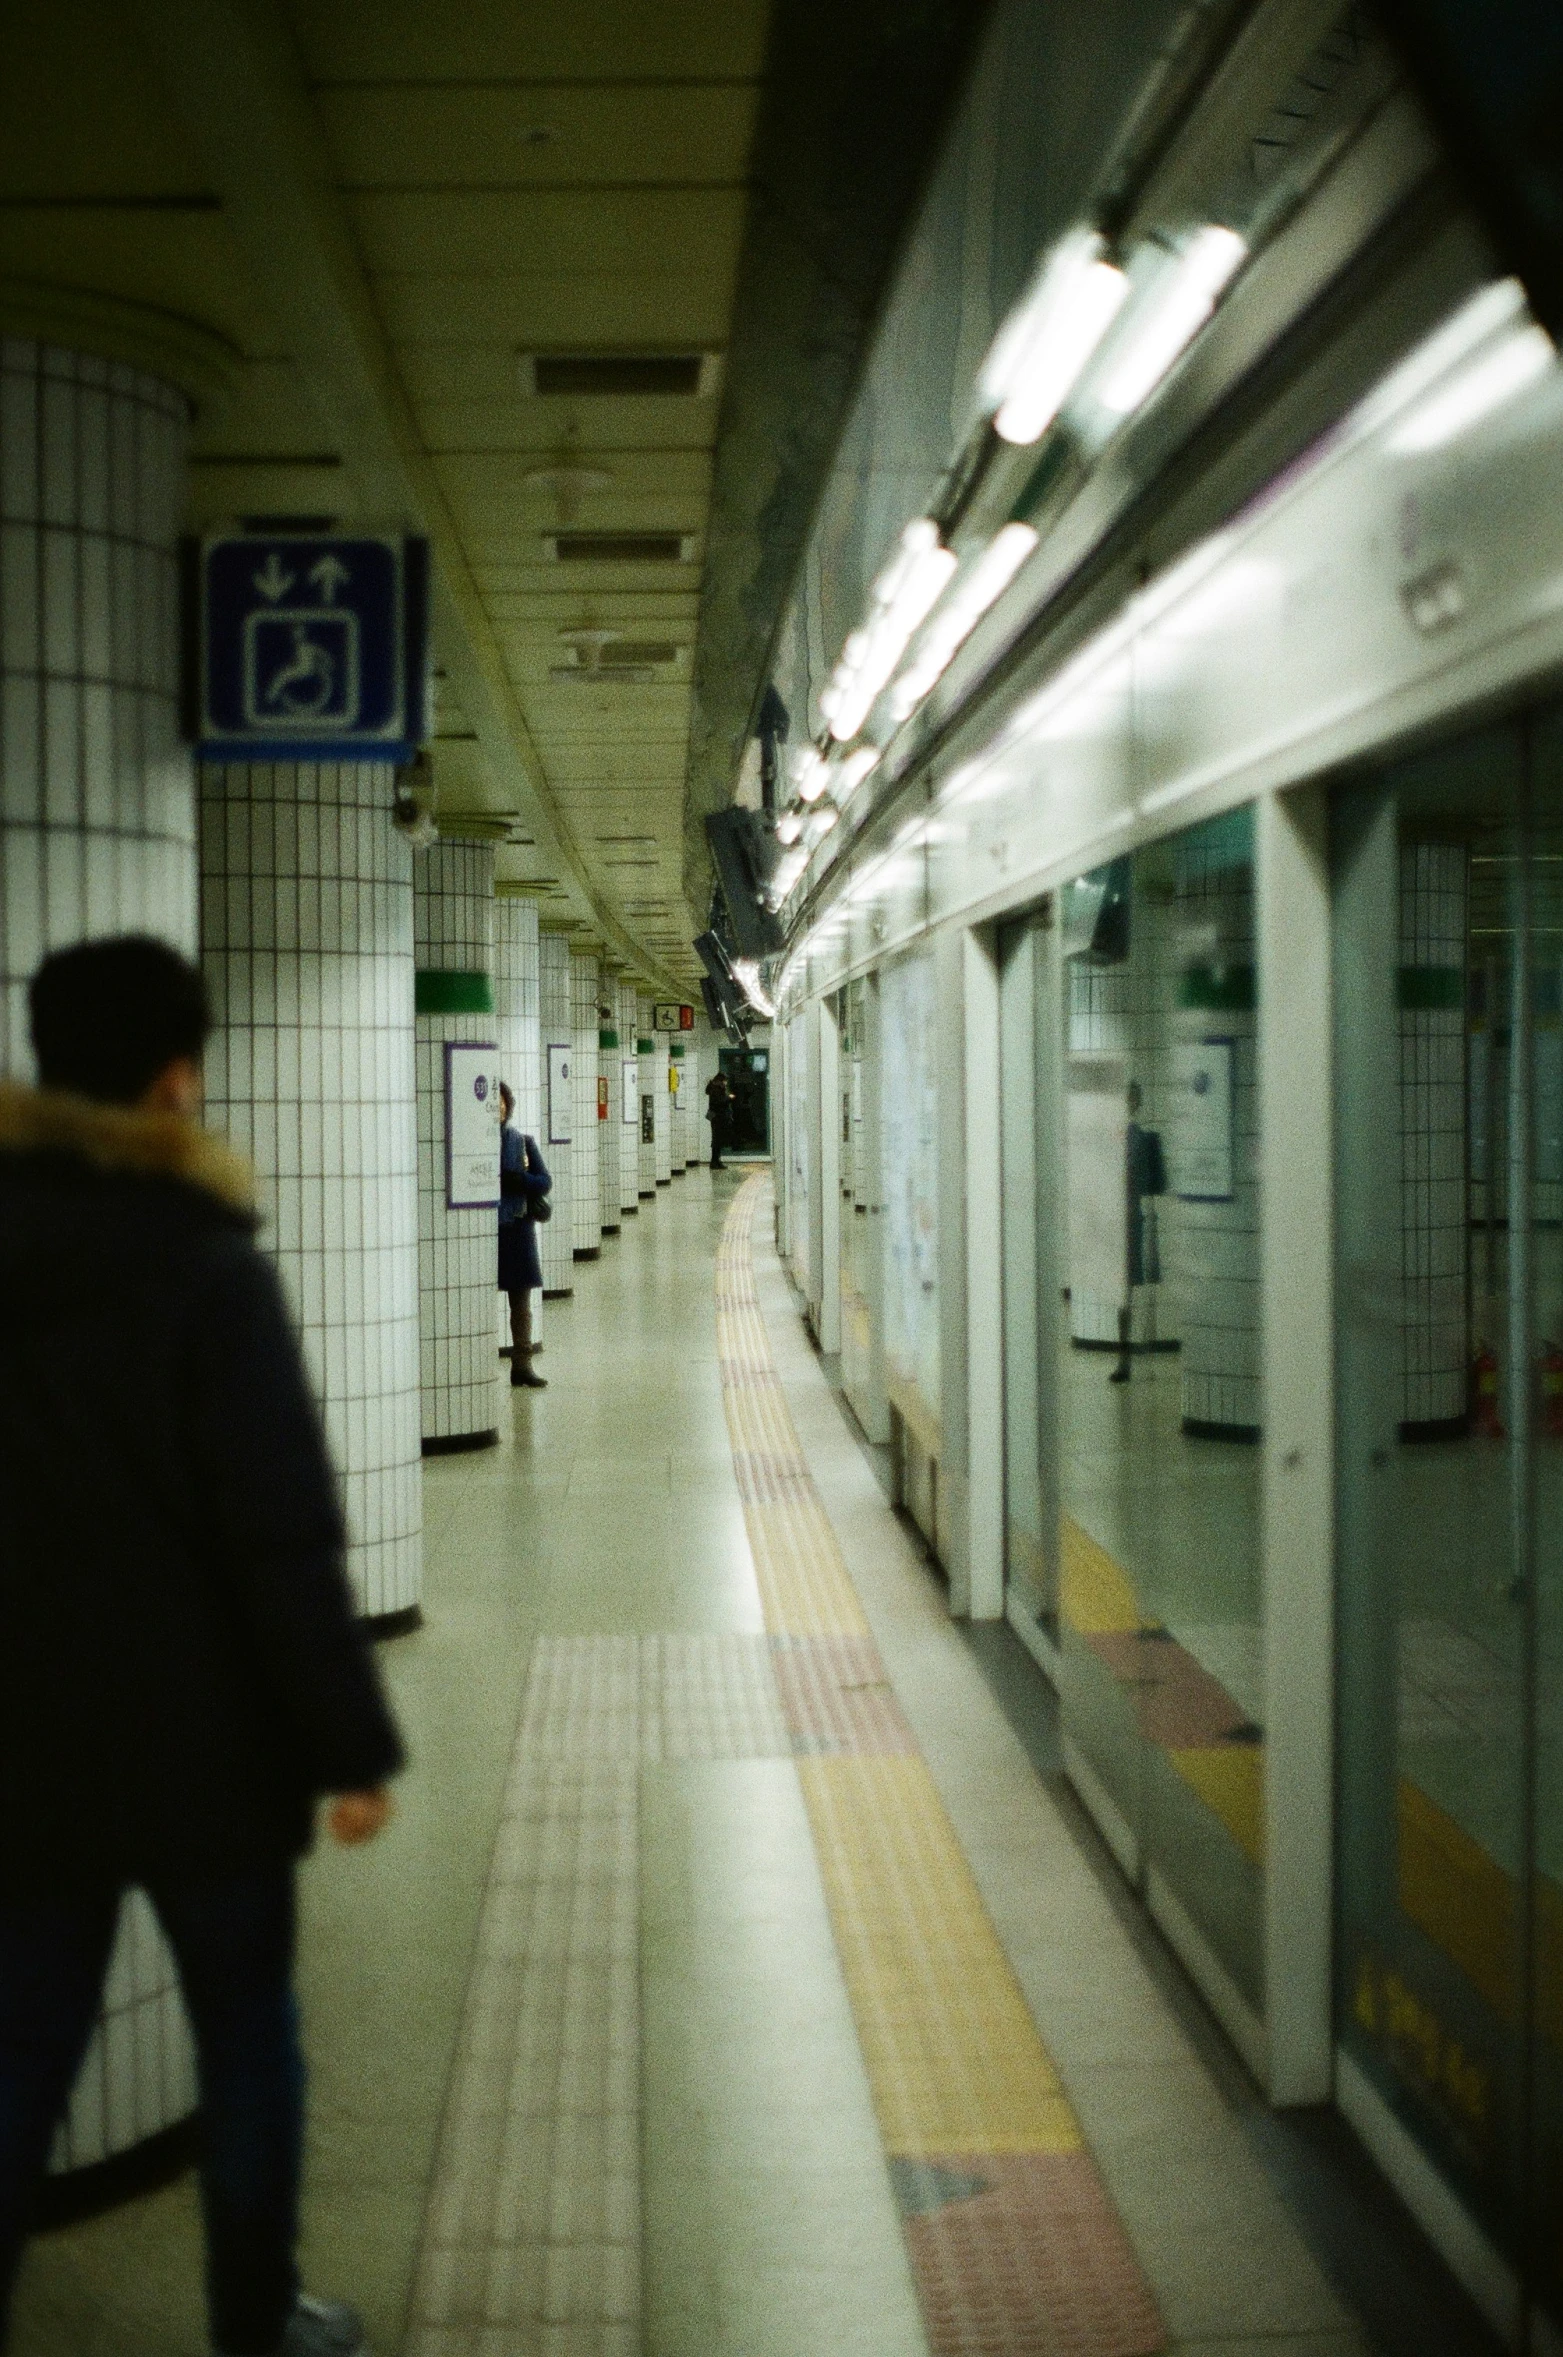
[954, 2061]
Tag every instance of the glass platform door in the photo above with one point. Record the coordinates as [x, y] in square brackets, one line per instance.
[1448, 873]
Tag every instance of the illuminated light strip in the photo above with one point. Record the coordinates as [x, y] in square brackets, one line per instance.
[954, 621]
[1047, 342]
[1013, 2240]
[1158, 326]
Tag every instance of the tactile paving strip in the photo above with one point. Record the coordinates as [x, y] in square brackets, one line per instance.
[532, 2238]
[836, 1696]
[1015, 2246]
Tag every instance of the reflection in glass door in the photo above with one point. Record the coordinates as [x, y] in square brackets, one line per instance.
[1130, 1238]
[1030, 1290]
[1157, 1234]
[1449, 992]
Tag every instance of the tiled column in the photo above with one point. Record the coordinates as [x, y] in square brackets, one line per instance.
[1436, 1349]
[97, 832]
[646, 1058]
[518, 1027]
[556, 1241]
[610, 1066]
[453, 926]
[306, 928]
[96, 792]
[629, 1131]
[586, 1229]
[517, 1020]
[664, 1108]
[683, 1063]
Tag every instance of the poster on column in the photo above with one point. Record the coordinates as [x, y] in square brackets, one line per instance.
[630, 1109]
[472, 1116]
[1200, 1130]
[560, 1060]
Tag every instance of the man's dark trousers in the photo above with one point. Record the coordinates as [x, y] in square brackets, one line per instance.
[234, 1944]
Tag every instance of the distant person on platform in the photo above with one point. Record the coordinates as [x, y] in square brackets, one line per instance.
[719, 1112]
[181, 1674]
[523, 1183]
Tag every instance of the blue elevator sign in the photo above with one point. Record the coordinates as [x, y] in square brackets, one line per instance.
[311, 648]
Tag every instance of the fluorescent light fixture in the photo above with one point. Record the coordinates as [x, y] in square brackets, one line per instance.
[808, 775]
[1486, 384]
[786, 873]
[789, 826]
[746, 974]
[955, 620]
[1160, 324]
[907, 589]
[1047, 342]
[850, 773]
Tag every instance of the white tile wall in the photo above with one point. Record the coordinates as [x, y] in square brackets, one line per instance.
[557, 1239]
[629, 1131]
[516, 1006]
[306, 929]
[646, 1050]
[97, 822]
[664, 1105]
[1218, 1243]
[678, 1107]
[97, 796]
[518, 1025]
[586, 1184]
[610, 1066]
[1434, 1237]
[453, 924]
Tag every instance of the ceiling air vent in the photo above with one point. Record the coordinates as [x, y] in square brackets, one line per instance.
[619, 548]
[677, 376]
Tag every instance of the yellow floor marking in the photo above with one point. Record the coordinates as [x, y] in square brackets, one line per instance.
[954, 2061]
[1231, 1783]
[1097, 1597]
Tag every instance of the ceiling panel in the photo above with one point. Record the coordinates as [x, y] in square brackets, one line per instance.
[682, 478]
[531, 40]
[480, 231]
[507, 310]
[538, 135]
[81, 111]
[171, 259]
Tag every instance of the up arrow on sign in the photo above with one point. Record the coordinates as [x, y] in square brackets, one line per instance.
[329, 576]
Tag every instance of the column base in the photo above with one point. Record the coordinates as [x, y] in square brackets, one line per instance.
[380, 1627]
[1204, 1428]
[141, 2168]
[448, 1444]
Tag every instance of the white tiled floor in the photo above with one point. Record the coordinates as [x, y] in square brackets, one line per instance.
[640, 2014]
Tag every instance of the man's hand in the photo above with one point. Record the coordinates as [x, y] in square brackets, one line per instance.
[356, 1817]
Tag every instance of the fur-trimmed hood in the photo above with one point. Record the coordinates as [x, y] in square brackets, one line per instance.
[124, 1138]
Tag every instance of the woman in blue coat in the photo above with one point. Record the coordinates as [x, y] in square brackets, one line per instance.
[523, 1182]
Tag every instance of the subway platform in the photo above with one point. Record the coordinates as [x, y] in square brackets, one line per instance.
[740, 1978]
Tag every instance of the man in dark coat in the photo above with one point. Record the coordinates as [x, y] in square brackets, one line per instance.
[181, 1674]
[523, 1183]
[719, 1112]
